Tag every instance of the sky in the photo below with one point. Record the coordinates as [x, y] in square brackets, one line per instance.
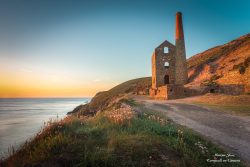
[59, 48]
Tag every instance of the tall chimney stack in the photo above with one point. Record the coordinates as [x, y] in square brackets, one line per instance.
[181, 74]
[179, 28]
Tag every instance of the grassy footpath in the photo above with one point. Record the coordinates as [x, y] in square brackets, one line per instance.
[239, 105]
[233, 109]
[125, 134]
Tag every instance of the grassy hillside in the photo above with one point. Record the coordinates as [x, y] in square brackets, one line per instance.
[226, 64]
[102, 100]
[212, 54]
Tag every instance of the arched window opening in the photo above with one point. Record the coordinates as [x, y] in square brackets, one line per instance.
[166, 50]
[166, 65]
[166, 79]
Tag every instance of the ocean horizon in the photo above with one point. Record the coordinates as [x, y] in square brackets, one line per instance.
[22, 118]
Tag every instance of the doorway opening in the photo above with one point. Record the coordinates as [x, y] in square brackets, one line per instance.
[166, 79]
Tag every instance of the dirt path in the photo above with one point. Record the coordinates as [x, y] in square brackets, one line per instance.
[230, 131]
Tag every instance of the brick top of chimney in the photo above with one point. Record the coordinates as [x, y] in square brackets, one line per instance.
[179, 28]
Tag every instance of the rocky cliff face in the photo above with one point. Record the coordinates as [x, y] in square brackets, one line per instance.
[226, 64]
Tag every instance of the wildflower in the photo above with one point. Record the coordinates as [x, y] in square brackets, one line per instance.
[202, 148]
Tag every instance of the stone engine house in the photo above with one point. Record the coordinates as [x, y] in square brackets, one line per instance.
[169, 67]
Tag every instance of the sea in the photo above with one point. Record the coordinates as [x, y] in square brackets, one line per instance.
[22, 118]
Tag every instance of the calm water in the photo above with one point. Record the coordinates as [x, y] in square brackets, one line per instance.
[21, 119]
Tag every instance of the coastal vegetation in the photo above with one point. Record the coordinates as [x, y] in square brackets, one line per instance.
[124, 134]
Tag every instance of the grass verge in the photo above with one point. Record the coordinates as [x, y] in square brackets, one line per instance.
[232, 109]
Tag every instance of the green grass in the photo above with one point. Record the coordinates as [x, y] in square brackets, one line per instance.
[102, 99]
[148, 139]
[233, 109]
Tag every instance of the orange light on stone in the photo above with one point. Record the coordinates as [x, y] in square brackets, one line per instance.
[179, 28]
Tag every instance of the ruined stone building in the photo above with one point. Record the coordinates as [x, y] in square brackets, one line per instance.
[169, 67]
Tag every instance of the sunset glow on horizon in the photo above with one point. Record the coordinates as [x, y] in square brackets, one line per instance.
[24, 84]
[19, 88]
[21, 82]
[78, 48]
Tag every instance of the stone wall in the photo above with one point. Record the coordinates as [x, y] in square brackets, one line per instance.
[232, 89]
[235, 78]
[168, 92]
[229, 89]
